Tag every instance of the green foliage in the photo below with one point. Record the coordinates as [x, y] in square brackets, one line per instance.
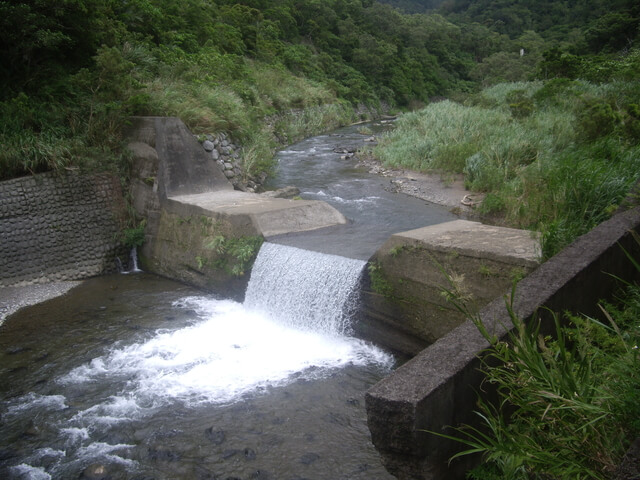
[134, 236]
[557, 63]
[233, 255]
[567, 403]
[75, 70]
[596, 119]
[557, 157]
[379, 282]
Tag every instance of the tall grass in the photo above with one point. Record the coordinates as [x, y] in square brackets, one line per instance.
[567, 418]
[568, 404]
[552, 157]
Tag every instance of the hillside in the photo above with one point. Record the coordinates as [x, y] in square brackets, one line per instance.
[73, 71]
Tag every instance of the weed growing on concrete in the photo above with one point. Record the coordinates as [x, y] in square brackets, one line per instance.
[233, 255]
[379, 282]
[134, 236]
[568, 403]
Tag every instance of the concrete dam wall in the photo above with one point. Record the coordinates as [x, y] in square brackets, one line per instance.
[439, 386]
[195, 218]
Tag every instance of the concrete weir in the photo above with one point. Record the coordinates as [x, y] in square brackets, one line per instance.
[269, 216]
[439, 387]
[403, 306]
[195, 218]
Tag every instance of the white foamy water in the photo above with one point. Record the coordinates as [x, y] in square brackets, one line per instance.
[28, 472]
[33, 402]
[232, 352]
[294, 325]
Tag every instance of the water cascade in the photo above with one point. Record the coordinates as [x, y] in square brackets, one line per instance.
[133, 260]
[286, 349]
[303, 289]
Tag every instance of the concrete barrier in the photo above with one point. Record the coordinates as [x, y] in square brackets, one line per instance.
[439, 387]
[403, 307]
[194, 215]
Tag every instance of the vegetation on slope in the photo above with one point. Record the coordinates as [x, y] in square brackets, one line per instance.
[568, 405]
[74, 70]
[552, 139]
[556, 157]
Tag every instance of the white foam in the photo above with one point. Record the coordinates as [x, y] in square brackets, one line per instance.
[47, 452]
[29, 472]
[115, 410]
[106, 451]
[217, 360]
[74, 435]
[36, 401]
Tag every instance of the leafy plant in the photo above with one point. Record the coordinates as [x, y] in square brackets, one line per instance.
[233, 255]
[567, 399]
[134, 236]
[379, 282]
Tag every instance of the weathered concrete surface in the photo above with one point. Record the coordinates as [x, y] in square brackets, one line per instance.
[194, 216]
[403, 303]
[439, 387]
[270, 216]
[185, 168]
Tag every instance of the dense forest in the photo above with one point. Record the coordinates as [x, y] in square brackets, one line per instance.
[73, 70]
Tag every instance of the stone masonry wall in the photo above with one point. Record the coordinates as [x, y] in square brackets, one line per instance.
[59, 226]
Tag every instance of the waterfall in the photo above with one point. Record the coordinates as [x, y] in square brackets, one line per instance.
[304, 289]
[133, 260]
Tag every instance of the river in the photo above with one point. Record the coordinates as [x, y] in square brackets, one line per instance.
[138, 377]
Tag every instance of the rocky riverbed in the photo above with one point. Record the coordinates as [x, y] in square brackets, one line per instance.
[439, 188]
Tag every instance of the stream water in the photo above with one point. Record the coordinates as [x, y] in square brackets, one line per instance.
[374, 210]
[138, 377]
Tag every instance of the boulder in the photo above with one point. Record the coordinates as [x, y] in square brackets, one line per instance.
[285, 192]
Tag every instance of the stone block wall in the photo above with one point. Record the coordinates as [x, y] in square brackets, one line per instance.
[59, 226]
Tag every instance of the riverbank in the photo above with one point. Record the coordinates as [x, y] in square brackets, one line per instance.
[447, 189]
[13, 299]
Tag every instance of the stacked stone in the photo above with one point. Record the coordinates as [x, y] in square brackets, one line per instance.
[59, 226]
[227, 156]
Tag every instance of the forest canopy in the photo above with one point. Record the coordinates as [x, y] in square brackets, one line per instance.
[72, 71]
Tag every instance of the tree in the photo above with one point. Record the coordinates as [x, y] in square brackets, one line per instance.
[611, 32]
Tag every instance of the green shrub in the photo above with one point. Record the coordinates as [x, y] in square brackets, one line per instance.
[597, 119]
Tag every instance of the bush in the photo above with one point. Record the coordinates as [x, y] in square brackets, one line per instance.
[597, 119]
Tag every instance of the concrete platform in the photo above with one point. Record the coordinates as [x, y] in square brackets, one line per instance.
[404, 307]
[269, 216]
[439, 387]
[474, 239]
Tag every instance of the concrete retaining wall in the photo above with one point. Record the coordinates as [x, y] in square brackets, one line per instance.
[438, 387]
[59, 226]
[199, 229]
